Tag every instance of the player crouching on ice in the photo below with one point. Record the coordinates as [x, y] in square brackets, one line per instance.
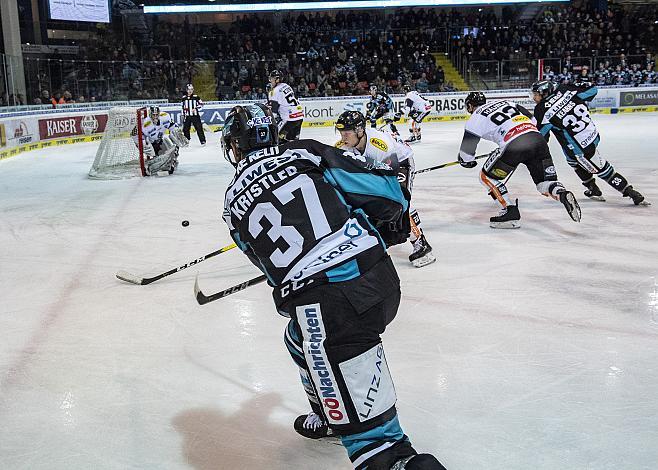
[417, 107]
[305, 214]
[513, 128]
[161, 150]
[382, 147]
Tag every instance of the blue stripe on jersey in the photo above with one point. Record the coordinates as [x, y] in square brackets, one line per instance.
[344, 272]
[588, 94]
[369, 184]
[597, 140]
[545, 128]
[240, 243]
[390, 431]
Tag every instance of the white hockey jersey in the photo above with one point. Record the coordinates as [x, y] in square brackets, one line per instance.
[498, 121]
[153, 132]
[382, 147]
[288, 106]
[413, 101]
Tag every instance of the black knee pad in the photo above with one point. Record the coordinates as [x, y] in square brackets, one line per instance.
[498, 170]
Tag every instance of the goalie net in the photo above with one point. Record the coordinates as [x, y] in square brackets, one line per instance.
[121, 153]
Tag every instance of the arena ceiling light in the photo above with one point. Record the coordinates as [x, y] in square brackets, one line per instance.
[338, 5]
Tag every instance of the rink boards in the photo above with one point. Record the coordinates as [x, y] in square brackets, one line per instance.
[25, 128]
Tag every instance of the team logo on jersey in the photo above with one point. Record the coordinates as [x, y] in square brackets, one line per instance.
[550, 170]
[257, 121]
[520, 119]
[378, 143]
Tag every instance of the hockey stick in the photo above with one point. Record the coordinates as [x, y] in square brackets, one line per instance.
[443, 165]
[203, 299]
[142, 281]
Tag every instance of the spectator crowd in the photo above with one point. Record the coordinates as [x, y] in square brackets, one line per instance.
[322, 54]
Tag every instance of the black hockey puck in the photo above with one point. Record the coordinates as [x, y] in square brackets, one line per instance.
[185, 223]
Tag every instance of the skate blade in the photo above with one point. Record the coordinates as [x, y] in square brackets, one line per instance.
[597, 198]
[573, 209]
[644, 203]
[508, 224]
[424, 261]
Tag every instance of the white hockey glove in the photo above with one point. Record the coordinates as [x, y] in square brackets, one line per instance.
[470, 164]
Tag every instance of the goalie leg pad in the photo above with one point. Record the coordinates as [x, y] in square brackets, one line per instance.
[166, 161]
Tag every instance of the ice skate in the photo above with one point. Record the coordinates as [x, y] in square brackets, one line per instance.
[509, 217]
[593, 191]
[312, 426]
[418, 462]
[422, 254]
[637, 198]
[570, 204]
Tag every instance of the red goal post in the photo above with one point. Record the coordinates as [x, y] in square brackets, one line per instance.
[121, 151]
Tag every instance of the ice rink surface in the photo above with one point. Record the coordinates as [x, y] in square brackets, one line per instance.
[527, 349]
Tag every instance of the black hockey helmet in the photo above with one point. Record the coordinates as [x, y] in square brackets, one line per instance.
[275, 74]
[475, 99]
[373, 89]
[248, 128]
[544, 88]
[154, 111]
[406, 88]
[350, 121]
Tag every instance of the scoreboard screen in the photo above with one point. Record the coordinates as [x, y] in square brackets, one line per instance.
[244, 6]
[92, 11]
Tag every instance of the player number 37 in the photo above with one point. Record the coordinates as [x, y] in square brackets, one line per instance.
[292, 237]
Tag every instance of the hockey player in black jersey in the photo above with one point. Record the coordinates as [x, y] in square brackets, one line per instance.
[381, 106]
[512, 127]
[306, 215]
[564, 110]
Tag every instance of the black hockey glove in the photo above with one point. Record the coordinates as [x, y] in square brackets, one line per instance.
[394, 233]
[397, 116]
[471, 164]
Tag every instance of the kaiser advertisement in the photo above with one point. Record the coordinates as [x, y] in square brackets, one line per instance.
[56, 127]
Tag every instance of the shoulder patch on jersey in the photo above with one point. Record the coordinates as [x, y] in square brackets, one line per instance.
[521, 118]
[379, 143]
[147, 123]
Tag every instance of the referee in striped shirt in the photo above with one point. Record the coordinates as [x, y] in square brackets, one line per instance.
[192, 104]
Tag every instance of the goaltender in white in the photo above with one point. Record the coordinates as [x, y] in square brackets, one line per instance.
[161, 150]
